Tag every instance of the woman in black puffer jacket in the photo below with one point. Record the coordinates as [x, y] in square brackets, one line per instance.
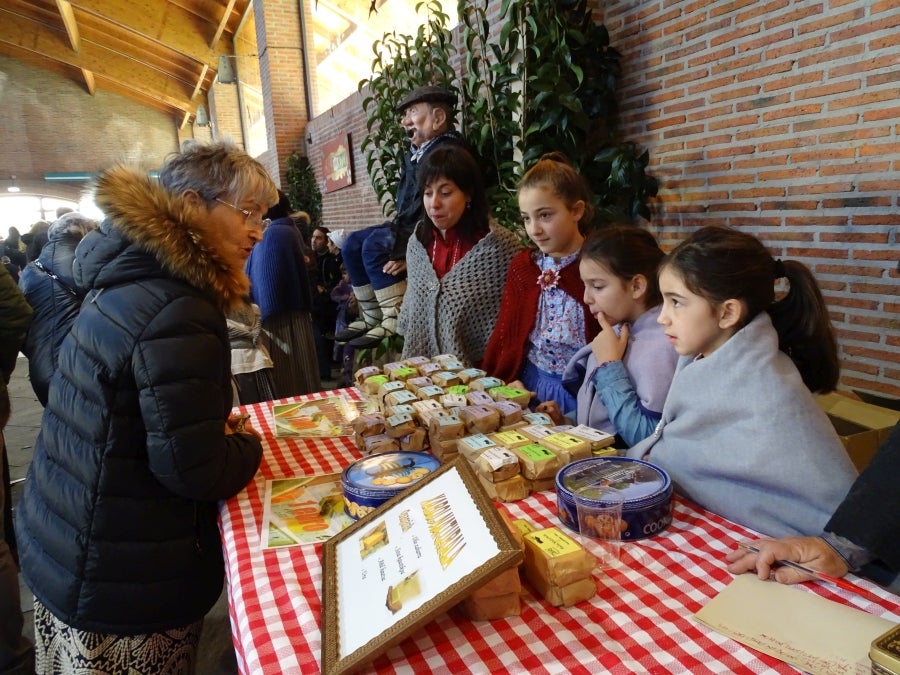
[117, 523]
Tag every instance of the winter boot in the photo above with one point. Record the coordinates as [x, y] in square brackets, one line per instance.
[389, 300]
[369, 315]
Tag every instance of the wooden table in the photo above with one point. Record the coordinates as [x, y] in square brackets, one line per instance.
[640, 621]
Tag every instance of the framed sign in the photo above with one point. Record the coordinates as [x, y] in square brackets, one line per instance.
[336, 164]
[408, 561]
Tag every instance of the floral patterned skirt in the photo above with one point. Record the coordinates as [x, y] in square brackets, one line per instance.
[63, 650]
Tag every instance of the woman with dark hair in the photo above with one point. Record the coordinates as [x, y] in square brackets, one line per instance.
[456, 261]
[741, 433]
[279, 285]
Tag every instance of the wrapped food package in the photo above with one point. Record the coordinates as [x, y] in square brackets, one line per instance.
[556, 558]
[537, 462]
[368, 424]
[497, 464]
[509, 490]
[480, 419]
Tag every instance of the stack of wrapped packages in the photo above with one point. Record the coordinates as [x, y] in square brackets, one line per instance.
[441, 405]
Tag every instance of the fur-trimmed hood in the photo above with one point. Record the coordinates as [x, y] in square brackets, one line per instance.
[143, 218]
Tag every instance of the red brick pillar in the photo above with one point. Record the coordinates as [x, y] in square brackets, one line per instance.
[278, 36]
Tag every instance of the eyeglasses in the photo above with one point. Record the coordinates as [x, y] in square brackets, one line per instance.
[249, 218]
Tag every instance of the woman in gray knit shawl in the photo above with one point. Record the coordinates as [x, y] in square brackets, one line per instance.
[456, 262]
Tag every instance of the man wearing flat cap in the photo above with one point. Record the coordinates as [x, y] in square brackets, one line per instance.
[375, 257]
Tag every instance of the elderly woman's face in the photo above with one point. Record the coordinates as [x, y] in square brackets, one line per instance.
[240, 223]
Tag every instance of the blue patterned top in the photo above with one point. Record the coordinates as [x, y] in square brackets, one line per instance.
[559, 328]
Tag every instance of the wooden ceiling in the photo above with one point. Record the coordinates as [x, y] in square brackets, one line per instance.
[160, 53]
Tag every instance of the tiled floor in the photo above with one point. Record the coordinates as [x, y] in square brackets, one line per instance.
[216, 652]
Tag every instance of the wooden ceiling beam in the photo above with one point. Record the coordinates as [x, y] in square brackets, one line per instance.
[88, 81]
[200, 82]
[68, 19]
[223, 23]
[20, 32]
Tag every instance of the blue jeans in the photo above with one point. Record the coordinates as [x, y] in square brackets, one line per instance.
[366, 252]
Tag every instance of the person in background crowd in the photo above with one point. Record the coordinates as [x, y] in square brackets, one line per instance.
[10, 267]
[16, 652]
[35, 239]
[543, 317]
[14, 248]
[861, 534]
[117, 522]
[50, 289]
[279, 285]
[457, 261]
[324, 309]
[251, 366]
[376, 256]
[342, 294]
[63, 210]
[741, 433]
[622, 377]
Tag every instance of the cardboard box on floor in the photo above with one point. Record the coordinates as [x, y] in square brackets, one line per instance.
[863, 427]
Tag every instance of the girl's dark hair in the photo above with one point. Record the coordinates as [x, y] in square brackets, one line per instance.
[719, 264]
[626, 251]
[455, 163]
[555, 171]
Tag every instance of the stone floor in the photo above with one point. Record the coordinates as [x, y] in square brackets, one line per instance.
[216, 652]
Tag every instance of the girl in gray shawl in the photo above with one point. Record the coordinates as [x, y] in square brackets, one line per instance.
[740, 432]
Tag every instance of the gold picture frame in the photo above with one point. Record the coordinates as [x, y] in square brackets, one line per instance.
[407, 562]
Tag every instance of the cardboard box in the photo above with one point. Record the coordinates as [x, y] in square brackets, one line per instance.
[863, 427]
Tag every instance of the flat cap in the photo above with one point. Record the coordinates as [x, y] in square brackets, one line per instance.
[427, 94]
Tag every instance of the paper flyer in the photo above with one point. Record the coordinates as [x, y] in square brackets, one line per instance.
[328, 417]
[302, 510]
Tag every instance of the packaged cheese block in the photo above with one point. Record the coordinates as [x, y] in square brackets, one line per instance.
[480, 419]
[400, 396]
[388, 387]
[535, 431]
[472, 446]
[537, 462]
[444, 379]
[505, 393]
[416, 383]
[462, 389]
[403, 408]
[509, 438]
[428, 369]
[368, 424]
[453, 401]
[485, 383]
[372, 384]
[492, 608]
[426, 415]
[564, 596]
[445, 427]
[608, 451]
[444, 450]
[375, 445]
[476, 397]
[362, 374]
[509, 490]
[513, 529]
[396, 426]
[556, 558]
[504, 583]
[414, 441]
[566, 446]
[597, 439]
[514, 425]
[538, 418]
[443, 358]
[454, 366]
[426, 404]
[430, 392]
[510, 412]
[468, 374]
[415, 361]
[403, 373]
[524, 527]
[541, 484]
[497, 464]
[388, 368]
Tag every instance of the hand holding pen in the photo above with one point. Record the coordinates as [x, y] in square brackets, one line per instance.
[790, 560]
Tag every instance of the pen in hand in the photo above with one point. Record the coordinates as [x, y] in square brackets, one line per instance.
[842, 583]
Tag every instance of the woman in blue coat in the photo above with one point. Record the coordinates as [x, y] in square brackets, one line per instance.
[117, 523]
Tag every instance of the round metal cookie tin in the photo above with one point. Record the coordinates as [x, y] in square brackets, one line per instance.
[647, 492]
[369, 482]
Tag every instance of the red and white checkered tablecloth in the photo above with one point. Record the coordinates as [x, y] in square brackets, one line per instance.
[640, 621]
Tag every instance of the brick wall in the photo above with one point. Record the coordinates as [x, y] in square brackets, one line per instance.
[780, 118]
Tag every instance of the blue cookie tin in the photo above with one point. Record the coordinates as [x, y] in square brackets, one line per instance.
[370, 482]
[646, 489]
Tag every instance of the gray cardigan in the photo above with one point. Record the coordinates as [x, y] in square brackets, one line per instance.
[456, 314]
[742, 436]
